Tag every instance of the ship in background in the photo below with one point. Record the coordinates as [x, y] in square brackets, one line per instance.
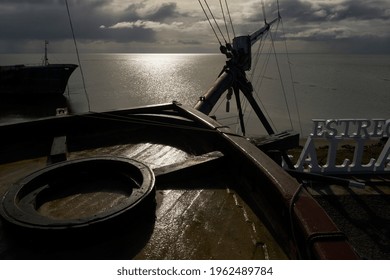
[33, 80]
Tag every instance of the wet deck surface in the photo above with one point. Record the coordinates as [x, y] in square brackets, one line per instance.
[201, 219]
[207, 224]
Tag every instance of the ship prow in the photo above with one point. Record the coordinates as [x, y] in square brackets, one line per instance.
[27, 80]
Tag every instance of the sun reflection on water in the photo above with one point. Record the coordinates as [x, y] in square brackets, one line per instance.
[166, 77]
[127, 80]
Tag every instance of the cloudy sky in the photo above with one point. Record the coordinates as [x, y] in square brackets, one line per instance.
[347, 26]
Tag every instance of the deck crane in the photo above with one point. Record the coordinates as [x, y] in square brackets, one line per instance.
[233, 79]
[233, 76]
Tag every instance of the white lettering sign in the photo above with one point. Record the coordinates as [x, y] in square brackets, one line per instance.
[351, 128]
[334, 131]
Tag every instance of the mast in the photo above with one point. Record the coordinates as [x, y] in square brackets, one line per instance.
[233, 78]
[46, 60]
[233, 75]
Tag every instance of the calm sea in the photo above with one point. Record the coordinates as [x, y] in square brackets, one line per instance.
[318, 86]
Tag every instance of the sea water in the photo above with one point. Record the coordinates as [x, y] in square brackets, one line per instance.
[291, 90]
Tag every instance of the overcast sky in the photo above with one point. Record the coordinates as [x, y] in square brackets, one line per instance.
[347, 26]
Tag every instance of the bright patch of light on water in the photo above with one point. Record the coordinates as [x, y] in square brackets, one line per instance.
[128, 80]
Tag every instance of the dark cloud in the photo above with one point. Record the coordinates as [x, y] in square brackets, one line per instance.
[38, 20]
[24, 20]
[164, 12]
[348, 26]
[305, 11]
[354, 22]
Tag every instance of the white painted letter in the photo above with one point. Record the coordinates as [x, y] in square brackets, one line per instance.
[331, 131]
[362, 125]
[378, 127]
[384, 158]
[318, 128]
[345, 134]
[308, 156]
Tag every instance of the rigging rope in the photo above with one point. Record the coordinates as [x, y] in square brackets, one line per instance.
[260, 79]
[224, 19]
[215, 21]
[278, 65]
[263, 8]
[277, 4]
[208, 19]
[78, 56]
[291, 77]
[230, 18]
[256, 56]
[281, 80]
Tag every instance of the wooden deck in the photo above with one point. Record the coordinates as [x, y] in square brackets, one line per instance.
[203, 219]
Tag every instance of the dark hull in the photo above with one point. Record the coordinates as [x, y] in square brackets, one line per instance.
[35, 80]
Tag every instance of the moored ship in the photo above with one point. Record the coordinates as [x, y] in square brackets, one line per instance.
[35, 80]
[32, 80]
